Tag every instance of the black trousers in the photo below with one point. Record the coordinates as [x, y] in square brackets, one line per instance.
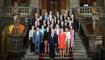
[32, 46]
[52, 51]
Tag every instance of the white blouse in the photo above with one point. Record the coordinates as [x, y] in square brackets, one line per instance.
[68, 35]
[31, 33]
[57, 31]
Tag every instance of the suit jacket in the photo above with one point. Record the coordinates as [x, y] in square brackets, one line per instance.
[53, 40]
[37, 38]
[44, 17]
[57, 17]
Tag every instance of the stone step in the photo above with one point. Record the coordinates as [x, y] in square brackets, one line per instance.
[44, 55]
[74, 54]
[30, 54]
[77, 38]
[37, 57]
[79, 51]
[78, 43]
[28, 50]
[47, 59]
[77, 58]
[79, 54]
[78, 48]
[74, 57]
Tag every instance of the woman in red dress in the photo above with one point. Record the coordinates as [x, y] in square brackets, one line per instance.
[62, 43]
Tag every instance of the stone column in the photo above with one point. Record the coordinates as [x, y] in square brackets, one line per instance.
[100, 2]
[9, 2]
[104, 5]
[67, 4]
[1, 6]
[35, 4]
[73, 4]
[1, 3]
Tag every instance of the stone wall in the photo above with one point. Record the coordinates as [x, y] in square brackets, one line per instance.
[102, 4]
[35, 4]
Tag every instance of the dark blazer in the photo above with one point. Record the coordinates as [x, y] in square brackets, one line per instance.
[52, 40]
[57, 17]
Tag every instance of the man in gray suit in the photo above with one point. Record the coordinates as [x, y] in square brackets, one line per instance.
[37, 40]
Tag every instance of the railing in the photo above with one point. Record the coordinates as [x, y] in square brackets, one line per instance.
[23, 11]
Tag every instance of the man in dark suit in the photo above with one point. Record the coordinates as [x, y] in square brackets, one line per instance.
[52, 40]
[45, 17]
[37, 40]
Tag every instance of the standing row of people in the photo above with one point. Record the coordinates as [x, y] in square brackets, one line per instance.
[54, 34]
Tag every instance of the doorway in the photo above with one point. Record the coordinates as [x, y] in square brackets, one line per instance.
[53, 5]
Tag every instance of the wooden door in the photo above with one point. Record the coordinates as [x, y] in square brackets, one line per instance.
[53, 5]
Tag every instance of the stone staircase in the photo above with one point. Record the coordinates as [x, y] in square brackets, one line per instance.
[79, 53]
[32, 56]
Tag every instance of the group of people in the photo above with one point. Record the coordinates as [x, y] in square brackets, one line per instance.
[52, 34]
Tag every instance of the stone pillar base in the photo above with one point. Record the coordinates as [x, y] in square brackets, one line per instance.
[95, 40]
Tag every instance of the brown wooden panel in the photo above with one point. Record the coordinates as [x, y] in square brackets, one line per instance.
[13, 1]
[44, 4]
[63, 4]
[22, 1]
[54, 5]
[87, 1]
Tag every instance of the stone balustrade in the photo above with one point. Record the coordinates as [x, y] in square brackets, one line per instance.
[86, 11]
[94, 41]
[23, 11]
